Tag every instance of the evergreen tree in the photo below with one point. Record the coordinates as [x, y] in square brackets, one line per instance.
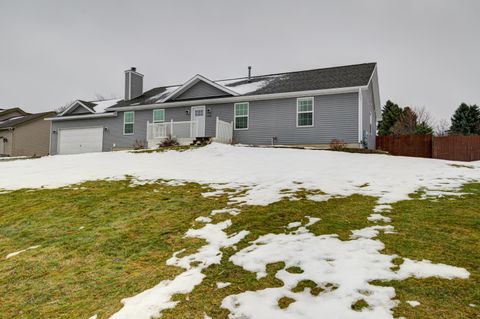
[391, 113]
[466, 120]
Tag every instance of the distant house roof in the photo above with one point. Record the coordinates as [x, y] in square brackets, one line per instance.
[18, 120]
[93, 107]
[316, 79]
[4, 112]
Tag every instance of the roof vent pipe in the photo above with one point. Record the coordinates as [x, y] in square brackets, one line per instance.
[249, 73]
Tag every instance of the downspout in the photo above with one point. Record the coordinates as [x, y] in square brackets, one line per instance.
[360, 117]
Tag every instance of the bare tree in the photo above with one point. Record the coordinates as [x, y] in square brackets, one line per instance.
[423, 116]
[442, 127]
[99, 97]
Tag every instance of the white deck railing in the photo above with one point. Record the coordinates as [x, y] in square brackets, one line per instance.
[223, 132]
[183, 129]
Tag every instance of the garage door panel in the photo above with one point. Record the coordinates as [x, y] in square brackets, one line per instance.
[80, 140]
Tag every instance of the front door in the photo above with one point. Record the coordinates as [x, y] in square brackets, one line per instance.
[198, 116]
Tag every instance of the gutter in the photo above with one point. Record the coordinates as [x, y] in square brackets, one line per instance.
[77, 117]
[242, 98]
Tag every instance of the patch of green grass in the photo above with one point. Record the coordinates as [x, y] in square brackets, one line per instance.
[284, 302]
[179, 148]
[359, 305]
[99, 244]
[315, 290]
[105, 241]
[444, 231]
[462, 166]
[294, 270]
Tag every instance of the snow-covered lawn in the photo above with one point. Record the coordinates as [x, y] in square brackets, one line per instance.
[342, 269]
[265, 172]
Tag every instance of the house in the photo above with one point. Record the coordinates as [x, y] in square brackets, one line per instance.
[24, 134]
[309, 107]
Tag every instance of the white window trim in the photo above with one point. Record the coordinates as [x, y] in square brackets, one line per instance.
[133, 122]
[235, 116]
[312, 111]
[153, 115]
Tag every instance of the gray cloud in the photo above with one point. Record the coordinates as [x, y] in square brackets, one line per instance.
[52, 52]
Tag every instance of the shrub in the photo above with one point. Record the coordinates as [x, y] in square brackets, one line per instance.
[337, 145]
[140, 145]
[169, 141]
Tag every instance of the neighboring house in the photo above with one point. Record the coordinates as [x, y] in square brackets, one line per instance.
[24, 134]
[309, 107]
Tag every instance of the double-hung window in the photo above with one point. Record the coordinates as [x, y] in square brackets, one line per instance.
[305, 112]
[158, 116]
[128, 123]
[241, 116]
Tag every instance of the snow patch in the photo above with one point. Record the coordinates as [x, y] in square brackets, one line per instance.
[413, 303]
[221, 285]
[231, 211]
[151, 302]
[379, 217]
[240, 167]
[21, 251]
[372, 231]
[294, 225]
[203, 219]
[346, 267]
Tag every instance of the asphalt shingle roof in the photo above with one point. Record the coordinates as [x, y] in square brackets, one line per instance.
[316, 79]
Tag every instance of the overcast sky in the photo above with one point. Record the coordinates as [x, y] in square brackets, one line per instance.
[53, 52]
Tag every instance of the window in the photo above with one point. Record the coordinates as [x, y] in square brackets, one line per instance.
[198, 112]
[128, 122]
[305, 111]
[158, 116]
[241, 116]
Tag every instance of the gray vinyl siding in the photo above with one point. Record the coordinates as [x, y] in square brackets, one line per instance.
[113, 127]
[335, 116]
[367, 108]
[200, 90]
[79, 110]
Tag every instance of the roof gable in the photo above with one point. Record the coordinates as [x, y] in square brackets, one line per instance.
[197, 86]
[74, 108]
[201, 90]
[10, 113]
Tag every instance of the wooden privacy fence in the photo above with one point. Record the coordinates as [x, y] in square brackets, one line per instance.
[406, 145]
[455, 148]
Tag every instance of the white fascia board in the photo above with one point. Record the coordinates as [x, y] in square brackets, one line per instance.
[242, 98]
[376, 92]
[80, 117]
[193, 81]
[76, 103]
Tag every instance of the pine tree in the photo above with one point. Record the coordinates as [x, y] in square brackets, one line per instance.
[466, 120]
[390, 115]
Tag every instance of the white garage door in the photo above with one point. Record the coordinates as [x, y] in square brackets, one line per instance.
[80, 140]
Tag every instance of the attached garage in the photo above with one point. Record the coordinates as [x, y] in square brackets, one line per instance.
[80, 140]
